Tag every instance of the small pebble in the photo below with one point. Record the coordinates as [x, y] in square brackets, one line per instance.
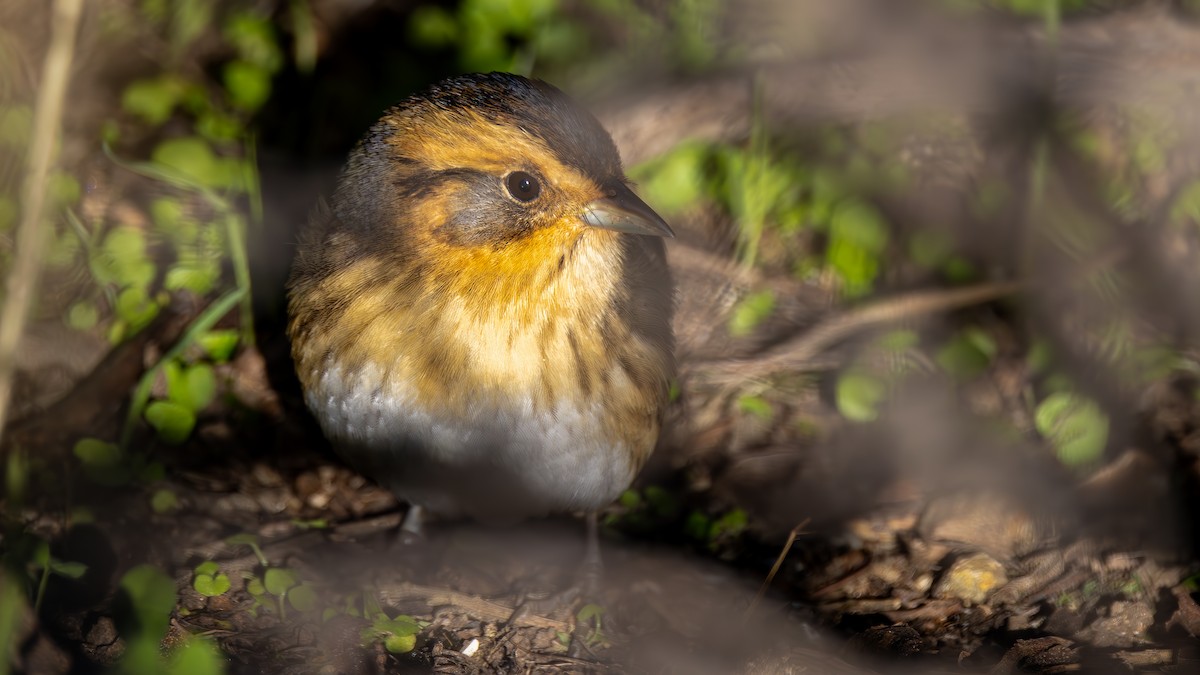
[971, 579]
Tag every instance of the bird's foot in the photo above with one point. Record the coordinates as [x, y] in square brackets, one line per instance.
[580, 599]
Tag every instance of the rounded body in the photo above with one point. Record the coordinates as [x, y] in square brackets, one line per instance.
[479, 351]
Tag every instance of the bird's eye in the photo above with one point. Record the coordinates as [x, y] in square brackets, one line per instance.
[522, 186]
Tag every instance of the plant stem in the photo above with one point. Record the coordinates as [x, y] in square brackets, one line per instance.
[31, 237]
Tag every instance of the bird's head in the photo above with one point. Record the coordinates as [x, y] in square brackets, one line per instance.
[486, 177]
[489, 216]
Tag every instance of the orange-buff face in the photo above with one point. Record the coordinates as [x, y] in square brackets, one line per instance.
[481, 318]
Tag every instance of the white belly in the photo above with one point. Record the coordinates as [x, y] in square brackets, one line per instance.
[501, 461]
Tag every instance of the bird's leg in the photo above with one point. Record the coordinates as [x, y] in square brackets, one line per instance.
[586, 587]
[592, 570]
[412, 527]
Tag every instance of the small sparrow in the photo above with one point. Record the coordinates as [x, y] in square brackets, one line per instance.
[481, 318]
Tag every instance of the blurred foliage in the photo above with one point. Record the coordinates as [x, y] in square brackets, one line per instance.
[152, 599]
[397, 634]
[504, 35]
[565, 39]
[809, 204]
[1075, 426]
[783, 203]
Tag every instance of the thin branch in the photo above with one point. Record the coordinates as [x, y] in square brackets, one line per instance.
[22, 279]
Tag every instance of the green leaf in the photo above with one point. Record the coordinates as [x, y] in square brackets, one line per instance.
[197, 276]
[588, 612]
[402, 624]
[254, 38]
[674, 181]
[197, 656]
[192, 387]
[15, 614]
[560, 39]
[141, 655]
[756, 405]
[152, 595]
[164, 501]
[16, 477]
[278, 580]
[103, 462]
[209, 567]
[311, 523]
[900, 340]
[857, 238]
[432, 26]
[662, 502]
[83, 315]
[123, 259]
[249, 85]
[167, 213]
[201, 385]
[63, 188]
[219, 344]
[696, 526]
[751, 311]
[400, 644]
[193, 159]
[630, 499]
[730, 524]
[304, 33]
[860, 225]
[16, 125]
[1039, 357]
[71, 570]
[152, 472]
[215, 125]
[211, 585]
[303, 598]
[858, 396]
[173, 422]
[854, 265]
[959, 270]
[97, 453]
[188, 19]
[969, 353]
[255, 587]
[1075, 426]
[152, 99]
[398, 634]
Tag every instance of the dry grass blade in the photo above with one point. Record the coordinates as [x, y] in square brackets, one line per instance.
[22, 278]
[783, 553]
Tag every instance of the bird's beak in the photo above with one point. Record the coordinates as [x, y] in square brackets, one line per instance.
[623, 211]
